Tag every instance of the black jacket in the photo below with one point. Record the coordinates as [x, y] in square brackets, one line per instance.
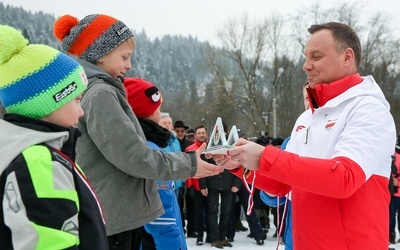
[44, 194]
[222, 182]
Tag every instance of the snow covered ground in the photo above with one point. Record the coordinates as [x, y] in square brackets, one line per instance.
[242, 242]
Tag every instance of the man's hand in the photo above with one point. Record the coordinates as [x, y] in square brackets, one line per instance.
[226, 161]
[204, 192]
[245, 153]
[204, 168]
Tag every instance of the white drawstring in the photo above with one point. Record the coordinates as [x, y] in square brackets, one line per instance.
[280, 222]
[251, 192]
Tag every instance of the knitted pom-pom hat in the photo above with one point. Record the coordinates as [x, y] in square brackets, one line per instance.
[92, 37]
[143, 96]
[35, 79]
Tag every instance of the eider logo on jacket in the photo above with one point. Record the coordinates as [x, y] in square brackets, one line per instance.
[329, 125]
[300, 127]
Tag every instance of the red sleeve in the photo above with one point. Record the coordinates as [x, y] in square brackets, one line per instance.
[339, 177]
[263, 183]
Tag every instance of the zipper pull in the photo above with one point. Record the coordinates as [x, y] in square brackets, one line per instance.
[335, 165]
[305, 142]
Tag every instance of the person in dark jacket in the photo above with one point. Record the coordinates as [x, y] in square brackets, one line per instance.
[256, 231]
[180, 130]
[46, 200]
[394, 201]
[219, 188]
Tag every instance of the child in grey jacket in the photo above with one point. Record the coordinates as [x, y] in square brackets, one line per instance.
[113, 149]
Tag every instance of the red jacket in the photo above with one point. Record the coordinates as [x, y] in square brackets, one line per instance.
[192, 182]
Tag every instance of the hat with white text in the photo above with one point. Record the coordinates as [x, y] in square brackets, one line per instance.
[91, 38]
[35, 79]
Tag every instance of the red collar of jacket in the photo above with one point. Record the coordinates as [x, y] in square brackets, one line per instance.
[199, 143]
[323, 92]
[194, 146]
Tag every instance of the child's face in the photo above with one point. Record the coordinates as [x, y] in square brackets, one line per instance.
[68, 115]
[118, 62]
[156, 116]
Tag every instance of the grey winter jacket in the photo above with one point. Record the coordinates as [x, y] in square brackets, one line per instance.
[116, 159]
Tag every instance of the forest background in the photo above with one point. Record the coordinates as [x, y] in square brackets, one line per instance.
[254, 77]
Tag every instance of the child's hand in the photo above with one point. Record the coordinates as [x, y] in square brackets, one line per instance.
[204, 168]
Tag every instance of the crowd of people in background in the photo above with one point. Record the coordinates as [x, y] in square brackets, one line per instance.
[223, 195]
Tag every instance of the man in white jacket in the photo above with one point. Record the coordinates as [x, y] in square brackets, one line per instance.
[335, 163]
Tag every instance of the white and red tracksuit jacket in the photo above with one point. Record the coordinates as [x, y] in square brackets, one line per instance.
[337, 164]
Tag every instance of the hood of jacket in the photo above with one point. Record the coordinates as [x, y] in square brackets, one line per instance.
[17, 136]
[94, 72]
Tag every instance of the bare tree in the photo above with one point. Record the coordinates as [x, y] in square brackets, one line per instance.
[259, 68]
[250, 67]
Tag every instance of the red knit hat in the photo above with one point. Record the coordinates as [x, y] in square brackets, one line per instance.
[91, 38]
[143, 96]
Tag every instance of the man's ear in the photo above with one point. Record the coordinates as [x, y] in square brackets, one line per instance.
[348, 56]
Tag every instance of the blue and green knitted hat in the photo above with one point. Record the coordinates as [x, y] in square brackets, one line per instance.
[35, 79]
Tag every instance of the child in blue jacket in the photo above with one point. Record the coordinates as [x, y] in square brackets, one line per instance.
[165, 232]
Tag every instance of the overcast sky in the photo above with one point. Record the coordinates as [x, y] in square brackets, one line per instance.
[199, 18]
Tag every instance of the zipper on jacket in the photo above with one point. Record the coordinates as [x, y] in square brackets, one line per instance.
[306, 139]
[335, 166]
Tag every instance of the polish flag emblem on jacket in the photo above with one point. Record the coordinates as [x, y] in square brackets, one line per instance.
[300, 127]
[330, 124]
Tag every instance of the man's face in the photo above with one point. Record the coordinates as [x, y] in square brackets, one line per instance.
[324, 64]
[166, 122]
[190, 136]
[180, 132]
[201, 135]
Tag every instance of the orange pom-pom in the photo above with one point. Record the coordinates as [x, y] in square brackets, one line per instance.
[63, 26]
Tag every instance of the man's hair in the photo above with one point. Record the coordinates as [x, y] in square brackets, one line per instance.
[263, 140]
[344, 35]
[199, 127]
[164, 116]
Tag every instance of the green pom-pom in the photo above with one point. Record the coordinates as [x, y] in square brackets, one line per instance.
[11, 42]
